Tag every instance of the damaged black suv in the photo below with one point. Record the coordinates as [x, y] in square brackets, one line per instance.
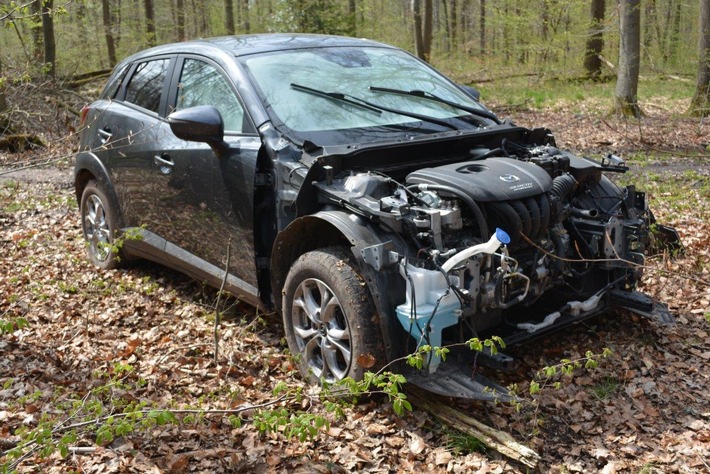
[376, 204]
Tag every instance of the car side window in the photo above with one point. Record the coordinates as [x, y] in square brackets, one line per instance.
[114, 84]
[146, 84]
[202, 84]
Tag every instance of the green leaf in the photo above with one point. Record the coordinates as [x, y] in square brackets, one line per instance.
[235, 421]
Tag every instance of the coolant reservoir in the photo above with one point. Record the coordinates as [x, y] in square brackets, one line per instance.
[420, 315]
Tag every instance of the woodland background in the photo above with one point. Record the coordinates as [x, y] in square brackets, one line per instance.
[473, 40]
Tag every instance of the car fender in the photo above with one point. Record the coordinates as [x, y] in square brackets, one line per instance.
[335, 227]
[87, 167]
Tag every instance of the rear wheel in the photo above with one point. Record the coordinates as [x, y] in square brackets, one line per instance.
[99, 224]
[330, 321]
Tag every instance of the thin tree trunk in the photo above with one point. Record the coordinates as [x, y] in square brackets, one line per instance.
[595, 40]
[36, 28]
[50, 46]
[229, 16]
[428, 28]
[108, 33]
[675, 32]
[482, 29]
[245, 9]
[180, 16]
[629, 59]
[418, 29]
[700, 104]
[150, 22]
[352, 18]
[3, 99]
[663, 43]
[454, 26]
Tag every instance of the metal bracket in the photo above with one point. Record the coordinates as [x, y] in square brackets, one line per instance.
[380, 256]
[263, 179]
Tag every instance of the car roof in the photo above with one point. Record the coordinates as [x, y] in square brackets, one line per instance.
[243, 45]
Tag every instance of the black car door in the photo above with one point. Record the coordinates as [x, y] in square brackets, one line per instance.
[205, 201]
[135, 129]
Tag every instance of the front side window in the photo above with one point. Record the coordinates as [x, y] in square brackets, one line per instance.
[146, 84]
[202, 84]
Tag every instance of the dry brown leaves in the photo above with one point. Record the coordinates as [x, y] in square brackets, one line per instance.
[645, 407]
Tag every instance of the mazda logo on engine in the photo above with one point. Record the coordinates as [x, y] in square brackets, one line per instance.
[509, 178]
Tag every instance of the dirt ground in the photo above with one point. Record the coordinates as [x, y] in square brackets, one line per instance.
[644, 409]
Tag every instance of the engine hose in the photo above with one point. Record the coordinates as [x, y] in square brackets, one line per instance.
[489, 153]
[544, 216]
[535, 217]
[465, 198]
[559, 250]
[498, 295]
[564, 185]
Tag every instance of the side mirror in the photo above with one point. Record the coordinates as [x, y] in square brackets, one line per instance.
[474, 93]
[198, 124]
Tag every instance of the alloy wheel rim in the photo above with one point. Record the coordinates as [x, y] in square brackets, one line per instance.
[321, 330]
[96, 228]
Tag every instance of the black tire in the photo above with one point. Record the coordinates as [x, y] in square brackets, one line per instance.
[338, 334]
[99, 223]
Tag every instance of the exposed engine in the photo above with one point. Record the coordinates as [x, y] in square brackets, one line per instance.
[493, 235]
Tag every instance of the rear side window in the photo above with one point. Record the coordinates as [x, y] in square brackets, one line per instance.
[146, 84]
[114, 84]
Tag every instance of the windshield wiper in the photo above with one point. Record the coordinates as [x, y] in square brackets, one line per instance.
[441, 100]
[339, 96]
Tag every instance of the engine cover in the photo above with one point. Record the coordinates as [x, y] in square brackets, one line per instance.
[489, 180]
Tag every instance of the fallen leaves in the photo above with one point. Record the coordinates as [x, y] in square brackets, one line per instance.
[82, 321]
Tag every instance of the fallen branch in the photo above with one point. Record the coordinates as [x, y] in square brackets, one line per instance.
[217, 314]
[494, 439]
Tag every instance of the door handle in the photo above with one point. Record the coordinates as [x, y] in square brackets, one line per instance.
[104, 135]
[165, 164]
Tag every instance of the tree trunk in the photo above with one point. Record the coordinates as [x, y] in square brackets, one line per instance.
[663, 43]
[675, 32]
[418, 29]
[700, 104]
[482, 29]
[36, 28]
[50, 46]
[108, 32]
[629, 58]
[352, 18]
[229, 17]
[150, 22]
[595, 41]
[427, 28]
[245, 9]
[454, 26]
[180, 17]
[650, 25]
[3, 100]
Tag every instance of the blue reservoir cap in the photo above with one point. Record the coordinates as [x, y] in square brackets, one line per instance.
[502, 236]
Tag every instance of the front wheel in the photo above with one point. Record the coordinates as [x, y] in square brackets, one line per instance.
[330, 321]
[99, 224]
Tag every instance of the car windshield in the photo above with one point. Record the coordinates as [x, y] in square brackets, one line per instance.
[345, 95]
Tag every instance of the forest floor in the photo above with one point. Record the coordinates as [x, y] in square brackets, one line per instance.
[99, 342]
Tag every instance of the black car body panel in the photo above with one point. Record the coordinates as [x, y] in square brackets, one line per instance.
[460, 224]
